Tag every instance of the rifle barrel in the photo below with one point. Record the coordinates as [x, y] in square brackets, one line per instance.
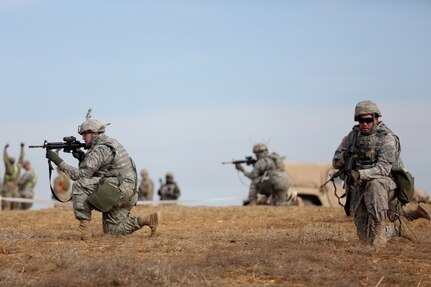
[36, 146]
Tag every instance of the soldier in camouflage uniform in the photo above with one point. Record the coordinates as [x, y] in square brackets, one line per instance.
[10, 179]
[169, 190]
[26, 183]
[106, 181]
[146, 187]
[268, 178]
[376, 152]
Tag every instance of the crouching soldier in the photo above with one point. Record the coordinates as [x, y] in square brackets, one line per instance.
[268, 178]
[106, 181]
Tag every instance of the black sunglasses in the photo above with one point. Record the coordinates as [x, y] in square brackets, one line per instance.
[365, 120]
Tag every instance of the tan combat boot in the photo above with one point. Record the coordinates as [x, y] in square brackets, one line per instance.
[85, 229]
[380, 237]
[152, 220]
[250, 202]
[421, 211]
[402, 230]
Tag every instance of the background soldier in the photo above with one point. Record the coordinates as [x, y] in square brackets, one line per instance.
[10, 179]
[268, 178]
[373, 199]
[169, 190]
[105, 181]
[26, 184]
[61, 186]
[146, 187]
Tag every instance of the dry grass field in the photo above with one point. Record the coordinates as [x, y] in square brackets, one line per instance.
[209, 246]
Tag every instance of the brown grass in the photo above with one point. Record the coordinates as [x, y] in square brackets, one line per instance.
[209, 246]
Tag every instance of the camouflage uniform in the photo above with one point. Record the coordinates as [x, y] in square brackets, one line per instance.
[107, 159]
[373, 198]
[146, 189]
[10, 179]
[26, 184]
[169, 190]
[269, 178]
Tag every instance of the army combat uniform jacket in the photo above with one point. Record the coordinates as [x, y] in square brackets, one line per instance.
[375, 155]
[106, 159]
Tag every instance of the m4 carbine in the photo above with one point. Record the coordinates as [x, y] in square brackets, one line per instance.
[249, 160]
[346, 172]
[70, 144]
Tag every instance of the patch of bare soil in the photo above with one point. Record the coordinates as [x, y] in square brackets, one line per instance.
[209, 246]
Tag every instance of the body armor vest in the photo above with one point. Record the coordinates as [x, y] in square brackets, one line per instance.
[368, 147]
[122, 166]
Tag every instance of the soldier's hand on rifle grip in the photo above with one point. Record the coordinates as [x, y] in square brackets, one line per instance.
[78, 154]
[53, 156]
[355, 175]
[239, 167]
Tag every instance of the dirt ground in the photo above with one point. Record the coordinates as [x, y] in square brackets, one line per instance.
[209, 246]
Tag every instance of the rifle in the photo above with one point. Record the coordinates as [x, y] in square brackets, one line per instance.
[70, 144]
[346, 171]
[249, 160]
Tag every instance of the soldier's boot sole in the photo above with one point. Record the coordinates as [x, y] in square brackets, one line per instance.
[423, 211]
[152, 220]
[404, 231]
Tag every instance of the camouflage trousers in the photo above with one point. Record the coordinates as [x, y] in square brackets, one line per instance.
[10, 189]
[277, 197]
[373, 203]
[26, 205]
[116, 221]
[26, 193]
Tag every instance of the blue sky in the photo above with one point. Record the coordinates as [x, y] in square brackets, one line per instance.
[188, 84]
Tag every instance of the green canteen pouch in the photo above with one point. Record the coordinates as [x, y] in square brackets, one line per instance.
[105, 196]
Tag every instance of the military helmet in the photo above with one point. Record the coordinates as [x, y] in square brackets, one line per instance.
[91, 125]
[366, 108]
[170, 175]
[260, 148]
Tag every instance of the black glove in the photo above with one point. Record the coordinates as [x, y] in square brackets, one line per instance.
[239, 167]
[79, 154]
[355, 175]
[53, 156]
[22, 145]
[6, 146]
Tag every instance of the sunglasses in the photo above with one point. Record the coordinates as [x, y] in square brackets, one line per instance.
[365, 120]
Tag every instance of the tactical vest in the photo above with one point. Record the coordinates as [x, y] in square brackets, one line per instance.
[274, 177]
[367, 147]
[13, 176]
[33, 180]
[122, 166]
[168, 191]
[366, 151]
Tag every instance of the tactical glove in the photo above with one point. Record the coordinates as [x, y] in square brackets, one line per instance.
[78, 154]
[22, 145]
[6, 146]
[239, 167]
[53, 156]
[355, 175]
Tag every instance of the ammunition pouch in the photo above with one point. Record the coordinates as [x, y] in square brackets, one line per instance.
[405, 185]
[105, 197]
[265, 186]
